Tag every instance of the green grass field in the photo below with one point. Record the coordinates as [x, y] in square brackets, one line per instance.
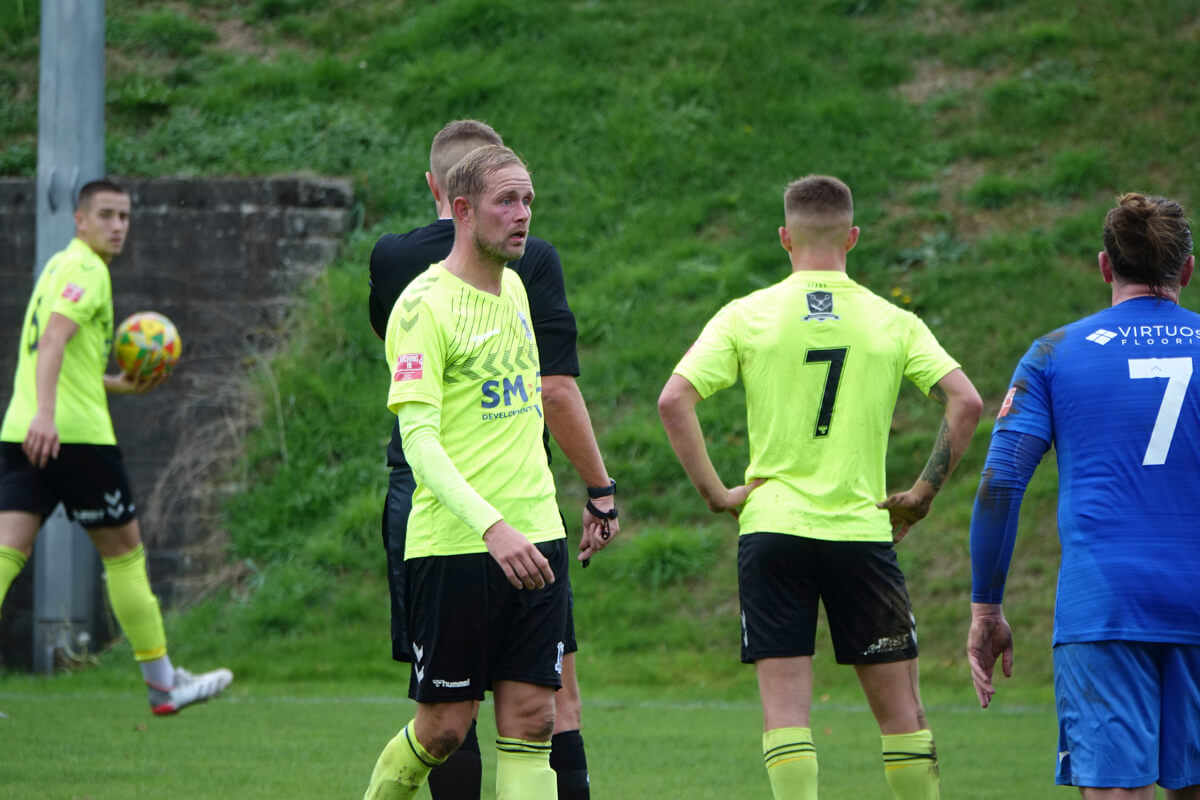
[984, 140]
[90, 737]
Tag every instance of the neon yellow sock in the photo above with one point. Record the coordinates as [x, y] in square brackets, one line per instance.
[11, 563]
[791, 761]
[910, 764]
[135, 605]
[402, 768]
[523, 770]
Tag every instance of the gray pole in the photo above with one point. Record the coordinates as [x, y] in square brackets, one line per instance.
[70, 153]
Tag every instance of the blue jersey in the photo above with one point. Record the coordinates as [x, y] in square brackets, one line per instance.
[1118, 396]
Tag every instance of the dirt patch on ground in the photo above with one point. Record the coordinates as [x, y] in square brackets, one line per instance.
[1191, 31]
[235, 36]
[946, 16]
[934, 78]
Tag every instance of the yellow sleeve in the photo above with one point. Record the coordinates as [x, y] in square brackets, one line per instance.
[85, 292]
[711, 364]
[926, 363]
[416, 356]
[420, 430]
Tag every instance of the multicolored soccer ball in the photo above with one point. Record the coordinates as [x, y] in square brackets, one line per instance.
[147, 345]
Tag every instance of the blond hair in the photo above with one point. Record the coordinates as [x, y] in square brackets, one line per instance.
[469, 177]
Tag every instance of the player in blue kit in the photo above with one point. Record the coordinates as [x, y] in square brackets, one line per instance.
[1116, 395]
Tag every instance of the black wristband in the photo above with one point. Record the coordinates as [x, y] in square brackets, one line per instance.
[603, 491]
[598, 514]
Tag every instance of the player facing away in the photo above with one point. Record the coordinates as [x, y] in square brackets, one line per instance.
[485, 544]
[821, 359]
[1116, 395]
[57, 442]
[395, 261]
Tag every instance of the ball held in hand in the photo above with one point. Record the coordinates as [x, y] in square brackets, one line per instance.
[146, 345]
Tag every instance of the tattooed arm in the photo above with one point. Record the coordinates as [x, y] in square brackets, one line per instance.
[963, 407]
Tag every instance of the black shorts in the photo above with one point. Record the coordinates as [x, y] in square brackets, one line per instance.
[396, 509]
[781, 578]
[88, 479]
[470, 627]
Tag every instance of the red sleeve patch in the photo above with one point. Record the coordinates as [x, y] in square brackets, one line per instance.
[73, 292]
[1007, 404]
[409, 367]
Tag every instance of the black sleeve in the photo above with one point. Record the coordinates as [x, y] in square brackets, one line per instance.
[553, 322]
[390, 273]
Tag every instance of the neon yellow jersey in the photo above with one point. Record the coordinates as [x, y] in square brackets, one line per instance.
[821, 359]
[74, 283]
[472, 355]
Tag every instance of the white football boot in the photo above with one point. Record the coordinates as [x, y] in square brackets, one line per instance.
[189, 689]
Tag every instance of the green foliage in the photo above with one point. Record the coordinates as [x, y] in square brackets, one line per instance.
[319, 457]
[657, 557]
[20, 22]
[138, 96]
[163, 32]
[996, 191]
[1078, 172]
[988, 5]
[270, 9]
[1041, 99]
[18, 157]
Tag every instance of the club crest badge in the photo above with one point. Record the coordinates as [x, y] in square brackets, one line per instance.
[820, 306]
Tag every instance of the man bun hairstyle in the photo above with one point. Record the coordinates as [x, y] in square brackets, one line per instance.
[1148, 239]
[93, 188]
[469, 177]
[454, 141]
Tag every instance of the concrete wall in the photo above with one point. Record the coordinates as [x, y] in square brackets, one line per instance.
[224, 259]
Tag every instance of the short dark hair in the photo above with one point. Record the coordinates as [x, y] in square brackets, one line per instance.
[468, 178]
[1148, 240]
[454, 141]
[93, 188]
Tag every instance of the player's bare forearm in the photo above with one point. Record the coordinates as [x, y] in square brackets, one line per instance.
[41, 441]
[49, 365]
[963, 408]
[51, 346]
[677, 407]
[571, 426]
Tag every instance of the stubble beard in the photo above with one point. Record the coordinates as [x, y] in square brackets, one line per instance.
[496, 253]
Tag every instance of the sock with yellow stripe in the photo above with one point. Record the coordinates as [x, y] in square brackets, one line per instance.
[791, 761]
[402, 768]
[11, 563]
[135, 605]
[910, 764]
[523, 770]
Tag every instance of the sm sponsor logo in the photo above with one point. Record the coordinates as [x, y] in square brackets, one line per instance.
[505, 392]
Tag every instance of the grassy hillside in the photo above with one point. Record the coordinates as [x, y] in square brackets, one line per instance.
[984, 140]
